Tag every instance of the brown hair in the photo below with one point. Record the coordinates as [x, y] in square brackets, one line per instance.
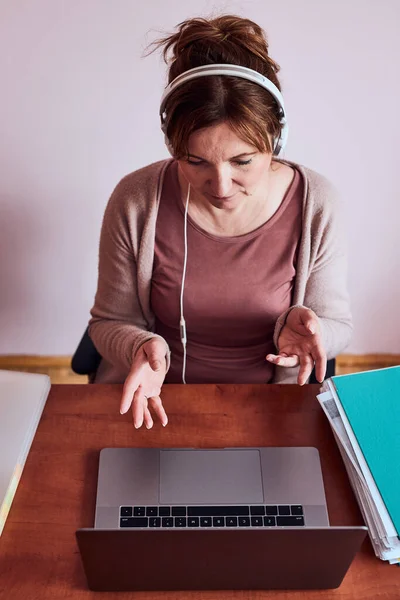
[250, 110]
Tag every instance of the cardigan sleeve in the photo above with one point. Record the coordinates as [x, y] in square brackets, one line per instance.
[325, 289]
[118, 326]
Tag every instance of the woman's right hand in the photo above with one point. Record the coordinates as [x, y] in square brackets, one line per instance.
[143, 385]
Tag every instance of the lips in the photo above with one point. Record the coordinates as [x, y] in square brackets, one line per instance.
[221, 197]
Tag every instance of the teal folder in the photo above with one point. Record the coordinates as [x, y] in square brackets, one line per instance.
[371, 401]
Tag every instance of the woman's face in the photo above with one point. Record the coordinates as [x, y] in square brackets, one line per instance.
[223, 169]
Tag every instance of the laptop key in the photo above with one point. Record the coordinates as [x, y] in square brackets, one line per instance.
[218, 511]
[179, 511]
[257, 510]
[167, 521]
[290, 521]
[180, 521]
[271, 510]
[269, 522]
[244, 521]
[139, 511]
[284, 510]
[296, 510]
[125, 511]
[256, 521]
[218, 522]
[154, 522]
[231, 521]
[134, 522]
[151, 511]
[205, 522]
[193, 522]
[164, 511]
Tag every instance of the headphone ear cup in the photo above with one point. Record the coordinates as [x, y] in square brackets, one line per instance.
[280, 142]
[169, 147]
[166, 140]
[278, 146]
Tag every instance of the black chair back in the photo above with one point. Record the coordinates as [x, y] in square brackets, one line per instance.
[86, 359]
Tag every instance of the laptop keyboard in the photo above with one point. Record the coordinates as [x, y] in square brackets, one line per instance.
[212, 516]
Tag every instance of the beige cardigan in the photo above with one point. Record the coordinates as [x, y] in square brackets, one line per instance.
[122, 318]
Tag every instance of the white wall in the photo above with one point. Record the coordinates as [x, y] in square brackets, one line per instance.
[79, 109]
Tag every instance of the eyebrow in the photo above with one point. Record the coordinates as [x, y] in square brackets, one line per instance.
[232, 158]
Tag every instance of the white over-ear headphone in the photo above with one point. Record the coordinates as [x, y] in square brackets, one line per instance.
[279, 145]
[231, 71]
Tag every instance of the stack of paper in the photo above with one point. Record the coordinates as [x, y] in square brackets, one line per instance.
[364, 412]
[22, 398]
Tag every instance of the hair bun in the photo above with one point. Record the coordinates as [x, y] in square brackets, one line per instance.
[224, 39]
[199, 31]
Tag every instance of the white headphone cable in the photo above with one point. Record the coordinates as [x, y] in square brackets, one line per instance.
[182, 324]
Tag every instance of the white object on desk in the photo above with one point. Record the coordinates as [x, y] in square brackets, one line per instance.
[22, 399]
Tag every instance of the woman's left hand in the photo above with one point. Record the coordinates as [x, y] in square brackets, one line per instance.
[300, 343]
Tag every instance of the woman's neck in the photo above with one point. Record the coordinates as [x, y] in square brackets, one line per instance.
[249, 214]
[241, 219]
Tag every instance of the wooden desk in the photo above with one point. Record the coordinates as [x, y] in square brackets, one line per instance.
[56, 495]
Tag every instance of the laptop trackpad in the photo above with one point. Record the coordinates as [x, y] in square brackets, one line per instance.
[210, 477]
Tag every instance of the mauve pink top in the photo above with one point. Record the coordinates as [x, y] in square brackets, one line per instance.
[235, 289]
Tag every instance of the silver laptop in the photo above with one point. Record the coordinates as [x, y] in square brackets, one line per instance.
[22, 399]
[146, 487]
[233, 518]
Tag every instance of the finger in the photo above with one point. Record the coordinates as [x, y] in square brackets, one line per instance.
[130, 387]
[148, 421]
[283, 360]
[159, 410]
[138, 407]
[306, 367]
[310, 321]
[155, 352]
[320, 364]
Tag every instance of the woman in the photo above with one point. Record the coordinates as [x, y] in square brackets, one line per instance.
[225, 263]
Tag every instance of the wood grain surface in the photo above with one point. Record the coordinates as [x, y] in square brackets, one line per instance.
[56, 495]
